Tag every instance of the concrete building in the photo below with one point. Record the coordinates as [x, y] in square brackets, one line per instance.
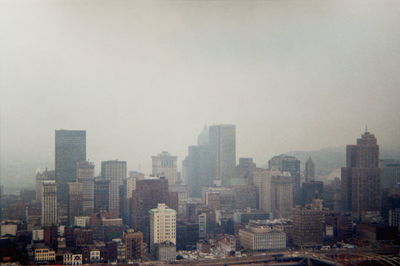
[40, 177]
[85, 175]
[282, 195]
[70, 147]
[101, 194]
[162, 225]
[390, 173]
[164, 164]
[222, 146]
[262, 237]
[49, 203]
[75, 196]
[360, 179]
[165, 251]
[308, 225]
[134, 245]
[291, 164]
[116, 172]
[44, 255]
[309, 171]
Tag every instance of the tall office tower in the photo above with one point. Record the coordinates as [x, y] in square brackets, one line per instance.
[148, 193]
[164, 164]
[162, 225]
[222, 145]
[70, 148]
[75, 196]
[309, 170]
[390, 173]
[282, 195]
[308, 225]
[289, 164]
[49, 203]
[198, 169]
[40, 177]
[361, 187]
[134, 244]
[85, 175]
[115, 171]
[101, 194]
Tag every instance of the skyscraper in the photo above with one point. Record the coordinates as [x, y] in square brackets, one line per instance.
[198, 163]
[101, 194]
[70, 148]
[75, 196]
[164, 164]
[281, 195]
[49, 203]
[289, 164]
[115, 171]
[162, 225]
[361, 187]
[309, 170]
[85, 175]
[222, 145]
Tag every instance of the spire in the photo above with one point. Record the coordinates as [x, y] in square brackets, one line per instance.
[366, 128]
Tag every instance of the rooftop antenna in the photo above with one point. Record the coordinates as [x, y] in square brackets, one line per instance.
[366, 128]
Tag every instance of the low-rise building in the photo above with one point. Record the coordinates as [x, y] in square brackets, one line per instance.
[44, 255]
[257, 236]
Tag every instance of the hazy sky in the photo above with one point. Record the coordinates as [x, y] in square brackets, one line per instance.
[146, 76]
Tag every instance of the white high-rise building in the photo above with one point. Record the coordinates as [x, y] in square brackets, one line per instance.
[49, 203]
[115, 171]
[222, 145]
[164, 164]
[162, 225]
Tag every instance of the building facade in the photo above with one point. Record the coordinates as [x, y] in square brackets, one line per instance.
[360, 179]
[116, 172]
[85, 175]
[222, 145]
[162, 225]
[70, 147]
[49, 203]
[164, 164]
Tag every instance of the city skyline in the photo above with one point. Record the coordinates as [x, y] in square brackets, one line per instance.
[302, 77]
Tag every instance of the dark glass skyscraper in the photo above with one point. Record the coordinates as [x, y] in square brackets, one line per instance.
[70, 148]
[361, 187]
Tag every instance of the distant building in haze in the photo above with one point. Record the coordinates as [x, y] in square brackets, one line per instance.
[291, 164]
[85, 175]
[40, 177]
[49, 203]
[309, 170]
[360, 179]
[116, 172]
[75, 201]
[222, 145]
[70, 147]
[101, 194]
[164, 164]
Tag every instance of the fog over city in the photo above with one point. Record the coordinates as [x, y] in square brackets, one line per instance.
[146, 76]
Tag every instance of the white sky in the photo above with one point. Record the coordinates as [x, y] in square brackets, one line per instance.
[145, 76]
